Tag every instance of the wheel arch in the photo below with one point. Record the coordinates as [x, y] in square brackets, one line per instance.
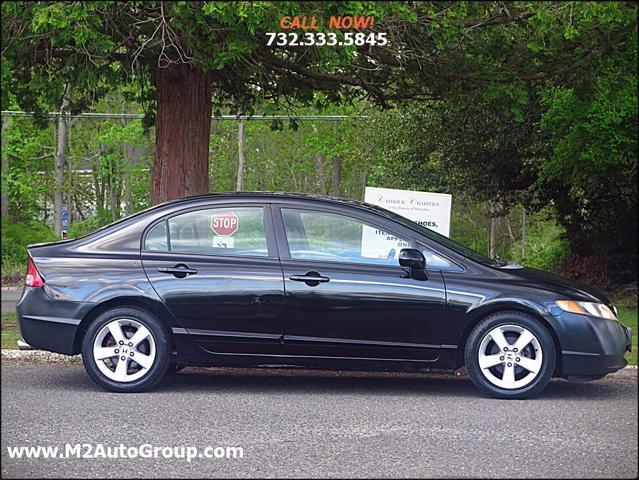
[144, 303]
[482, 312]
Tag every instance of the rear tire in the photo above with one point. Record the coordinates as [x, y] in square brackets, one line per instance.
[510, 355]
[126, 349]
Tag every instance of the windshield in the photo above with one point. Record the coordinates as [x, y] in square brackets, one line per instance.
[445, 241]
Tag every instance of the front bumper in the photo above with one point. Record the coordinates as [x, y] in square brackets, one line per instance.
[592, 347]
[49, 324]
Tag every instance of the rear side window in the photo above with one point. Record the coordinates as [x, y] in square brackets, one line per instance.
[214, 231]
[156, 239]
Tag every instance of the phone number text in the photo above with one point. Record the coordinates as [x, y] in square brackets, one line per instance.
[331, 39]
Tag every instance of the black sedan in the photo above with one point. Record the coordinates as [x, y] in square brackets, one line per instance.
[255, 279]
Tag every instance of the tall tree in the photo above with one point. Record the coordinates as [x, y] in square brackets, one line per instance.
[184, 54]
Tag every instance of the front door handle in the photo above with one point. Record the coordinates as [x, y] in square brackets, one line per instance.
[312, 279]
[180, 270]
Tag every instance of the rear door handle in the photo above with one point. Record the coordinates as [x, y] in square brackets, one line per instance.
[311, 279]
[180, 270]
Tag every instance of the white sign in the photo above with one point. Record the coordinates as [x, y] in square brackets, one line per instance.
[431, 210]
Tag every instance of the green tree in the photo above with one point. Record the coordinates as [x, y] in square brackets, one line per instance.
[183, 54]
[568, 140]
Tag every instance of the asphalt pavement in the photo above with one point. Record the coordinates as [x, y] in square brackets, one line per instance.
[320, 424]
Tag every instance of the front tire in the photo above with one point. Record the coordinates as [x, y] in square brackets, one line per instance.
[510, 355]
[126, 349]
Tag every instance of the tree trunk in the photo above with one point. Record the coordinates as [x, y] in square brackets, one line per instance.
[493, 237]
[5, 168]
[99, 193]
[336, 180]
[112, 199]
[183, 126]
[320, 175]
[60, 162]
[240, 156]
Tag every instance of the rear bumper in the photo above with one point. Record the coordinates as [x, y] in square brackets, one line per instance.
[48, 324]
[593, 347]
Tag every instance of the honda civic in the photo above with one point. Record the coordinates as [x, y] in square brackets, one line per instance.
[265, 279]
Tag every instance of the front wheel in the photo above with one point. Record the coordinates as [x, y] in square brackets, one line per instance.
[126, 349]
[510, 355]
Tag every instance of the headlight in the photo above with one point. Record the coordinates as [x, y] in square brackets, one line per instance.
[587, 308]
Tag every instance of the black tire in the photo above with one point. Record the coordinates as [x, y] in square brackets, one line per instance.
[161, 339]
[522, 320]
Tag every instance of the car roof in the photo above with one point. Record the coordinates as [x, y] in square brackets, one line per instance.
[271, 195]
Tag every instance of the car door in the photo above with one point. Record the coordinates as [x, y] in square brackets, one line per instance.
[217, 270]
[347, 296]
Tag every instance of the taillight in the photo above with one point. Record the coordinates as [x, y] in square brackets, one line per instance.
[33, 276]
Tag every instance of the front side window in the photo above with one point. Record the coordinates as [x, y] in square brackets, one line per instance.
[437, 262]
[313, 235]
[214, 231]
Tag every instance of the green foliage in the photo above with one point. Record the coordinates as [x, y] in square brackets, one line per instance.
[84, 227]
[29, 153]
[530, 103]
[301, 157]
[567, 141]
[546, 245]
[17, 236]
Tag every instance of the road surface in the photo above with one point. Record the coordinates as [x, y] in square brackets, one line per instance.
[320, 424]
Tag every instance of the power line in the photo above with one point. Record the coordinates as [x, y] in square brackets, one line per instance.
[135, 116]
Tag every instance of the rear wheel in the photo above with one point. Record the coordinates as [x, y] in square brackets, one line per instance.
[510, 355]
[126, 349]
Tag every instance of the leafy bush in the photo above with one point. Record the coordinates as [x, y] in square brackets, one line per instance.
[546, 246]
[84, 227]
[590, 269]
[15, 238]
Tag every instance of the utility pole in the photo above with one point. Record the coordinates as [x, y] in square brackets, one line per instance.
[241, 159]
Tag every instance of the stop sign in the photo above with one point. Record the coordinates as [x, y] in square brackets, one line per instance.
[225, 224]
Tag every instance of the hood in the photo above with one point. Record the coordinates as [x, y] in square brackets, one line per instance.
[571, 289]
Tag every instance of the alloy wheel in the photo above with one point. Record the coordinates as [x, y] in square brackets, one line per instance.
[124, 350]
[510, 356]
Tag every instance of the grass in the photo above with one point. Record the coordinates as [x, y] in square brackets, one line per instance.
[627, 316]
[12, 272]
[10, 331]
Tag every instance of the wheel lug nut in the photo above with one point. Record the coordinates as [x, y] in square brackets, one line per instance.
[130, 344]
[131, 353]
[121, 342]
[501, 358]
[517, 359]
[505, 349]
[510, 364]
[514, 349]
[117, 351]
[122, 358]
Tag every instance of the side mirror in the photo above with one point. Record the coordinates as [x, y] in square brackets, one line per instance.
[414, 260]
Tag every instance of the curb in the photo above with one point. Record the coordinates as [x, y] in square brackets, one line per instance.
[41, 356]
